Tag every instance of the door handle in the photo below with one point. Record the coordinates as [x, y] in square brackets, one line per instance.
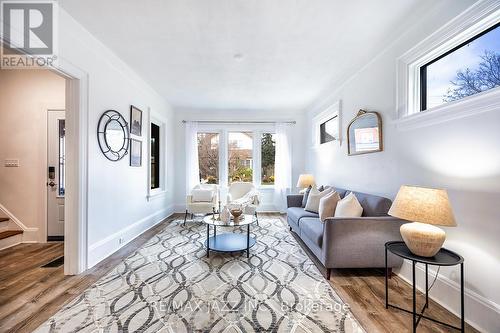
[51, 184]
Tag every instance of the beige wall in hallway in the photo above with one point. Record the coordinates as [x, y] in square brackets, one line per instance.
[25, 96]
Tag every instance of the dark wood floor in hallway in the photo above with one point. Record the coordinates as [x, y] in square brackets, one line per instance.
[29, 294]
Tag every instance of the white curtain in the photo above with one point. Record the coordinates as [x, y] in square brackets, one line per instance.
[192, 166]
[282, 165]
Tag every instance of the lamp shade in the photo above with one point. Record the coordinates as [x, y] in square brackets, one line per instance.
[425, 205]
[305, 180]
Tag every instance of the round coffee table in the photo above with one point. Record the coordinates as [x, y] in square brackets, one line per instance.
[229, 242]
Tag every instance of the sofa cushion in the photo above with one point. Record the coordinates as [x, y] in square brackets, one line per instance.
[297, 213]
[341, 192]
[312, 228]
[373, 205]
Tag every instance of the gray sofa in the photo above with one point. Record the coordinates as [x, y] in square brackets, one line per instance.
[348, 242]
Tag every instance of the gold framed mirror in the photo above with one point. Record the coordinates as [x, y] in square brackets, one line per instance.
[364, 133]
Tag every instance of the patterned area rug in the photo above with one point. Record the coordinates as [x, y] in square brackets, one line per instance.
[169, 285]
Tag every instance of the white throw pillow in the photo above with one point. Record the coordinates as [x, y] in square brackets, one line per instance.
[349, 207]
[327, 205]
[202, 195]
[312, 204]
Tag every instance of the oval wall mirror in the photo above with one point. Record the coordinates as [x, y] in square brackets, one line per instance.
[364, 133]
[113, 135]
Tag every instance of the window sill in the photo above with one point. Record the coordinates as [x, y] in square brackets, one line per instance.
[466, 107]
[156, 194]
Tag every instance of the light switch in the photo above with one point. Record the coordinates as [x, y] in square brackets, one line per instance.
[11, 163]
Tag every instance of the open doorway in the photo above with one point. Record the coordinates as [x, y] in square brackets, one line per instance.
[32, 116]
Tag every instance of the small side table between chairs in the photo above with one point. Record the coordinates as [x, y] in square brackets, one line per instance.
[443, 258]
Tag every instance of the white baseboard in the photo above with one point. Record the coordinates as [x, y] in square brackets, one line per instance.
[109, 245]
[480, 312]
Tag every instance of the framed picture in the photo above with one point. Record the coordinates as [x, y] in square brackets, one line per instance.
[364, 133]
[135, 121]
[135, 153]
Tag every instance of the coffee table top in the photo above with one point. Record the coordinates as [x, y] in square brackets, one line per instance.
[244, 219]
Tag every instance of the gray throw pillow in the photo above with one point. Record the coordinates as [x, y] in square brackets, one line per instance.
[306, 195]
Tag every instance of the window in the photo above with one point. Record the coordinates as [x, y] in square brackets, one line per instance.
[268, 153]
[62, 157]
[329, 130]
[155, 156]
[240, 150]
[208, 157]
[468, 69]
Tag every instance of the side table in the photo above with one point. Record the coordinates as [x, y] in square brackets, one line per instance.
[443, 258]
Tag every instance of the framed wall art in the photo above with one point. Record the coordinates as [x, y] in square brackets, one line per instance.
[135, 153]
[364, 133]
[135, 121]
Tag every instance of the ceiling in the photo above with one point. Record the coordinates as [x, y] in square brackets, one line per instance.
[243, 54]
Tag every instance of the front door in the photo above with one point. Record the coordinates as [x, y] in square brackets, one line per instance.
[55, 174]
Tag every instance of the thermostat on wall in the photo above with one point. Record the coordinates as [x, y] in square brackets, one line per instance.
[11, 163]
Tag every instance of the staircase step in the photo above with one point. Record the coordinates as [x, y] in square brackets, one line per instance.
[3, 219]
[9, 233]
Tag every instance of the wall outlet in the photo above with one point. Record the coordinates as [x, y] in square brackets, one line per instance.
[11, 163]
[121, 240]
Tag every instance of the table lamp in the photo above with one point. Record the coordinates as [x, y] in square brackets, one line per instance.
[427, 207]
[305, 180]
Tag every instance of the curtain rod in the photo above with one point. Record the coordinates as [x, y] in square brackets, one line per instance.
[237, 122]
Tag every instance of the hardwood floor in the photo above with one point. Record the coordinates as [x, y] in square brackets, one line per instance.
[29, 294]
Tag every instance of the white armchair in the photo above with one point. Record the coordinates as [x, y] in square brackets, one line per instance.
[201, 202]
[246, 194]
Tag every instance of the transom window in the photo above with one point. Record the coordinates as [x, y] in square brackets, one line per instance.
[468, 69]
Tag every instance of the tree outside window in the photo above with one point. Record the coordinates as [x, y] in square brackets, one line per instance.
[240, 159]
[268, 153]
[208, 157]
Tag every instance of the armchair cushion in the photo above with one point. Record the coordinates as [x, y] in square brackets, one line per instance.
[199, 195]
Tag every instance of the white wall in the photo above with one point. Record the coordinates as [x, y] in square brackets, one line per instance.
[236, 115]
[461, 155]
[25, 97]
[117, 203]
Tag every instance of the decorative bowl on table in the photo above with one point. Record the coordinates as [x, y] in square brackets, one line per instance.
[236, 212]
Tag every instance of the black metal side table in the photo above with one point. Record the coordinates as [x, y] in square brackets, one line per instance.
[443, 258]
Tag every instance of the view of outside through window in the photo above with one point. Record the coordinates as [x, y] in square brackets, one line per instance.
[471, 69]
[329, 130]
[240, 147]
[208, 157]
[268, 152]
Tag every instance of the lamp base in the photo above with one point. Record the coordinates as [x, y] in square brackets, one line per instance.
[422, 239]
